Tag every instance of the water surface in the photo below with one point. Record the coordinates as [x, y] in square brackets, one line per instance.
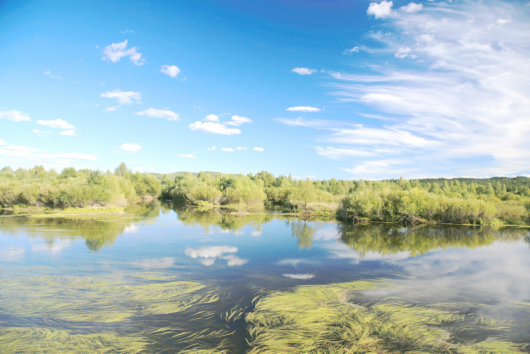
[96, 276]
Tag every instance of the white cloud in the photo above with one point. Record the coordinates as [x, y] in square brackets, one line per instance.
[123, 97]
[131, 148]
[211, 118]
[241, 148]
[337, 153]
[48, 73]
[299, 276]
[501, 21]
[2, 142]
[465, 100]
[173, 169]
[258, 149]
[131, 229]
[161, 263]
[211, 148]
[159, 113]
[67, 133]
[214, 128]
[234, 260]
[127, 31]
[207, 262]
[56, 124]
[15, 116]
[381, 10]
[187, 156]
[352, 50]
[210, 251]
[402, 53]
[112, 109]
[171, 70]
[303, 109]
[294, 261]
[237, 120]
[412, 8]
[304, 71]
[116, 51]
[228, 149]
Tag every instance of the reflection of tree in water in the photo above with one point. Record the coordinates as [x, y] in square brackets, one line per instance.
[304, 233]
[97, 233]
[233, 223]
[385, 239]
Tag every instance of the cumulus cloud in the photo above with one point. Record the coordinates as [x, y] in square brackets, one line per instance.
[159, 113]
[214, 128]
[2, 142]
[56, 124]
[15, 116]
[303, 109]
[228, 149]
[258, 149]
[171, 70]
[48, 73]
[116, 51]
[212, 148]
[211, 118]
[381, 10]
[304, 71]
[241, 148]
[237, 120]
[411, 8]
[234, 260]
[130, 148]
[123, 97]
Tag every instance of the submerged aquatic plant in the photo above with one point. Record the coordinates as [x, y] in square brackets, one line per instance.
[319, 319]
[45, 340]
[97, 299]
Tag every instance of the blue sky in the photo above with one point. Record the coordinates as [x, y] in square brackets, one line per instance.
[343, 89]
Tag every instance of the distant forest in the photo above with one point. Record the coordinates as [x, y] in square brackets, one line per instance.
[459, 200]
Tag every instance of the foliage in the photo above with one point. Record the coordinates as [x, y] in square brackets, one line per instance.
[71, 188]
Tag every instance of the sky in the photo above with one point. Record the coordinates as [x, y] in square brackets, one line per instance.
[322, 89]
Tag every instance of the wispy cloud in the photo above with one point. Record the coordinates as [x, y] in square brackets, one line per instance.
[159, 113]
[187, 156]
[116, 51]
[56, 123]
[460, 99]
[237, 120]
[258, 149]
[303, 109]
[48, 73]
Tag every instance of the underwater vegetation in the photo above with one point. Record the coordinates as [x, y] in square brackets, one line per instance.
[320, 319]
[97, 299]
[45, 340]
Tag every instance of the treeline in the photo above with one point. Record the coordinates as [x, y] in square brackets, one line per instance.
[462, 201]
[75, 188]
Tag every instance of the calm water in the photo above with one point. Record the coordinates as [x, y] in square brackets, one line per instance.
[239, 257]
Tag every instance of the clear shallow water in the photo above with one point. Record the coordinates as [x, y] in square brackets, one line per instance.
[239, 257]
